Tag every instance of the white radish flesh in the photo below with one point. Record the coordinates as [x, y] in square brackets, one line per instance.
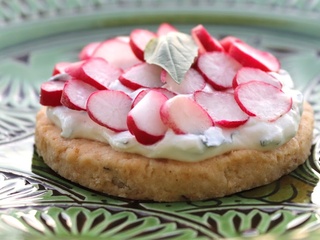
[109, 108]
[222, 108]
[262, 100]
[219, 69]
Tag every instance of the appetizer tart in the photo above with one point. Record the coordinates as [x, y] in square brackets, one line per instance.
[172, 116]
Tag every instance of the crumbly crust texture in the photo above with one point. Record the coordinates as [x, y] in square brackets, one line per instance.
[97, 166]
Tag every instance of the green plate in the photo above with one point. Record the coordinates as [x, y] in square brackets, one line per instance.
[35, 203]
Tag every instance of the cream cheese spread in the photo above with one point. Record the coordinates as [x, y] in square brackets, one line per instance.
[254, 134]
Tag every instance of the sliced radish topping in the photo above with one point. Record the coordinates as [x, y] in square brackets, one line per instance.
[222, 108]
[141, 94]
[183, 115]
[60, 67]
[88, 50]
[252, 57]
[96, 72]
[144, 121]
[50, 93]
[262, 100]
[218, 68]
[75, 94]
[138, 41]
[165, 28]
[227, 42]
[204, 40]
[143, 75]
[247, 74]
[117, 51]
[193, 81]
[109, 108]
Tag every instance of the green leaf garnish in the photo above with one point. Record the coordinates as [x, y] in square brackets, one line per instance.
[174, 52]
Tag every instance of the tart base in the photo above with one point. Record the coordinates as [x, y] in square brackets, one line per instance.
[97, 166]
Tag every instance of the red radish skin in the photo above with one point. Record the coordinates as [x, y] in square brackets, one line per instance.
[204, 40]
[144, 121]
[50, 93]
[227, 42]
[247, 74]
[109, 108]
[218, 69]
[142, 93]
[117, 51]
[75, 94]
[138, 41]
[252, 57]
[165, 28]
[183, 115]
[96, 72]
[88, 50]
[262, 100]
[142, 75]
[193, 81]
[222, 108]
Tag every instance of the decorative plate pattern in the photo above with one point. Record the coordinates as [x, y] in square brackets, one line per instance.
[36, 203]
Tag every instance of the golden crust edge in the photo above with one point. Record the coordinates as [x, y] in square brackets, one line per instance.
[97, 166]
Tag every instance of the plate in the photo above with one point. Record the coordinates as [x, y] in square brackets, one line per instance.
[35, 203]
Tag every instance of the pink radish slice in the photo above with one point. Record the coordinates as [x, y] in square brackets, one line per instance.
[227, 42]
[165, 28]
[144, 121]
[117, 51]
[204, 40]
[222, 108]
[60, 67]
[50, 93]
[143, 75]
[109, 108]
[247, 74]
[262, 100]
[218, 68]
[141, 94]
[138, 41]
[76, 93]
[96, 72]
[251, 57]
[193, 81]
[88, 50]
[183, 115]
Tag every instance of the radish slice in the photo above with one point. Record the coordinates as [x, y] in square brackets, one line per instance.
[262, 100]
[75, 94]
[117, 51]
[251, 57]
[193, 81]
[218, 68]
[50, 93]
[247, 74]
[96, 72]
[138, 41]
[183, 115]
[144, 121]
[204, 40]
[143, 75]
[141, 94]
[227, 42]
[222, 108]
[60, 67]
[165, 28]
[88, 50]
[109, 108]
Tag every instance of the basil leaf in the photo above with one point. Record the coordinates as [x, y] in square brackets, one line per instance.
[174, 52]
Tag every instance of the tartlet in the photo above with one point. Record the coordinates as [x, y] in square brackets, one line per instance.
[115, 99]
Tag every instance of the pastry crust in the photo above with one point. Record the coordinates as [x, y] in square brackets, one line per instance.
[97, 166]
